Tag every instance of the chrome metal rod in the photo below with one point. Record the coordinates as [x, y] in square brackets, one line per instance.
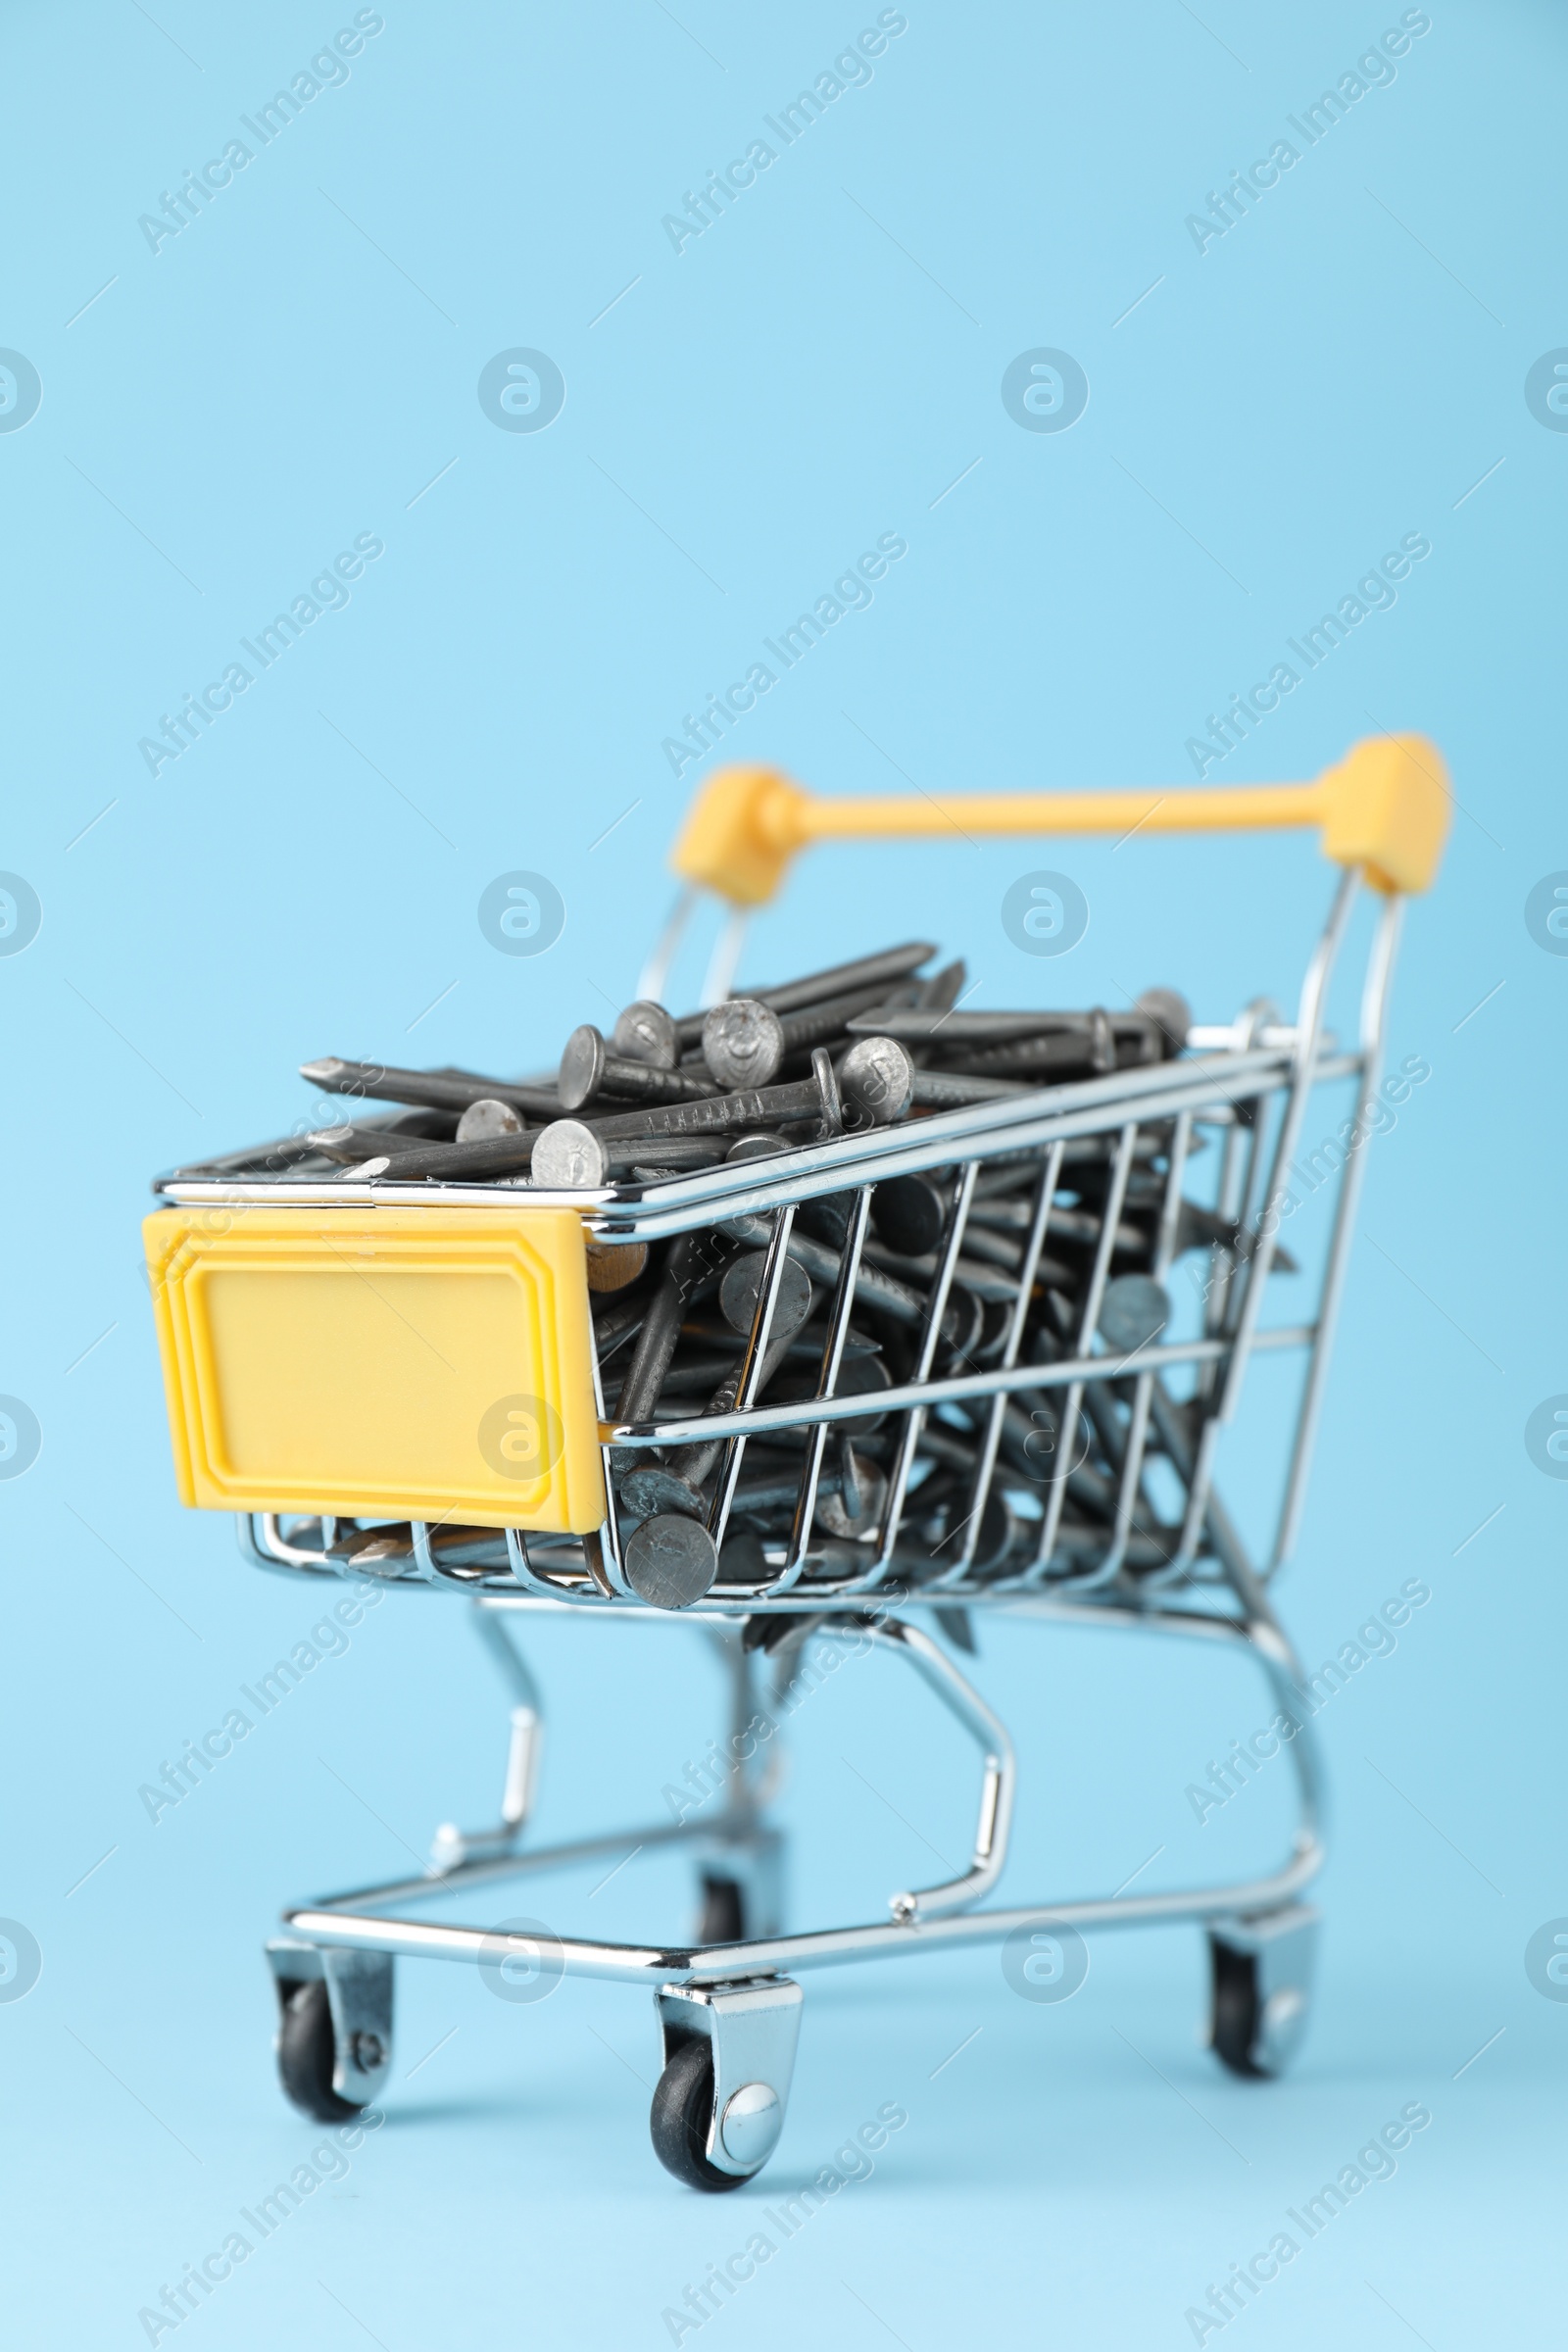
[1237, 1152]
[838, 1332]
[923, 1386]
[656, 971]
[939, 1392]
[1131, 1487]
[483, 1868]
[1265, 1233]
[610, 1561]
[753, 1369]
[270, 1549]
[725, 961]
[525, 1734]
[828, 1947]
[980, 1491]
[1000, 1773]
[1260, 1255]
[510, 1661]
[1374, 1023]
[522, 1568]
[1056, 1491]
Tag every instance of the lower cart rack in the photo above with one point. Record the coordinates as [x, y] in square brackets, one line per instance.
[730, 2009]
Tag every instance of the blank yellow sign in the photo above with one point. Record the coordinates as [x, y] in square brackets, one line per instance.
[430, 1364]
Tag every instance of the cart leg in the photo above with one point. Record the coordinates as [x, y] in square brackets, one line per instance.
[729, 2054]
[1261, 1988]
[741, 1873]
[742, 1880]
[334, 2035]
[452, 1846]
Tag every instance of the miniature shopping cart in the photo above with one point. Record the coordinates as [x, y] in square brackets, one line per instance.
[332, 1348]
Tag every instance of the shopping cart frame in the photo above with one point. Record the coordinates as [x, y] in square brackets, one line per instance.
[730, 2009]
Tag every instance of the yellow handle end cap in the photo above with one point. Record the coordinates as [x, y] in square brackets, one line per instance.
[742, 829]
[1386, 811]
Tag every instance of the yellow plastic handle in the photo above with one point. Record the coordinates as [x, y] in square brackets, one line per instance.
[1384, 808]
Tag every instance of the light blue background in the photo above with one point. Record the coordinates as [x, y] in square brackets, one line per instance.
[817, 369]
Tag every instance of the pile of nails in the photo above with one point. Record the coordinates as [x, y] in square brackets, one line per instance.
[674, 1345]
[866, 1043]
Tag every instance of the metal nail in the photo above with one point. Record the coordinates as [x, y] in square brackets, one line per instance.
[1052, 1059]
[442, 1090]
[867, 971]
[570, 1155]
[921, 1024]
[614, 1324]
[813, 1098]
[487, 1117]
[693, 1462]
[985, 1282]
[890, 964]
[1171, 1014]
[692, 1375]
[769, 1490]
[656, 1346]
[572, 1152]
[670, 1561]
[741, 1288]
[615, 1265]
[942, 991]
[588, 1069]
[676, 1158]
[1133, 1312]
[456, 1163]
[645, 1032]
[350, 1144]
[1082, 1225]
[265, 1158]
[878, 1076]
[937, 1090]
[871, 1288]
[816, 1024]
[854, 1501]
[743, 1043]
[858, 1376]
[908, 1214]
[650, 1488]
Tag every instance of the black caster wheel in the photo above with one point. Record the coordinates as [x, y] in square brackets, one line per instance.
[307, 2052]
[723, 1914]
[1237, 2014]
[1261, 1993]
[683, 2109]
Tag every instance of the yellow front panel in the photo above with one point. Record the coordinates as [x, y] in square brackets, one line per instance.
[429, 1364]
